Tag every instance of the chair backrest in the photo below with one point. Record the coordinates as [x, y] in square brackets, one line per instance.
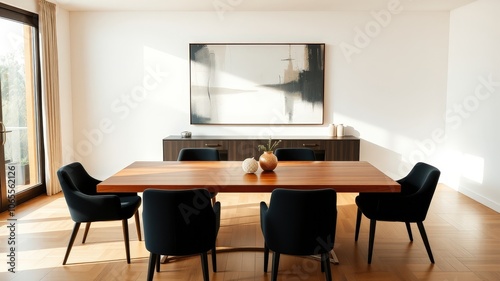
[198, 154]
[300, 222]
[84, 203]
[178, 222]
[419, 186]
[74, 177]
[295, 154]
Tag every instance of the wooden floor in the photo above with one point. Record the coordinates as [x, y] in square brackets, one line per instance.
[464, 236]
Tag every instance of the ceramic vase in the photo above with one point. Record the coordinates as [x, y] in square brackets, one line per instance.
[332, 130]
[250, 165]
[268, 161]
[340, 130]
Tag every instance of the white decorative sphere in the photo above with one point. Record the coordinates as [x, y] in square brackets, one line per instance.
[250, 165]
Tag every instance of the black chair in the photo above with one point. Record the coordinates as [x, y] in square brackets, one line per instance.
[409, 206]
[200, 154]
[295, 154]
[180, 223]
[299, 222]
[86, 205]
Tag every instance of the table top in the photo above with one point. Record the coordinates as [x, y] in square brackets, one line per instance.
[228, 176]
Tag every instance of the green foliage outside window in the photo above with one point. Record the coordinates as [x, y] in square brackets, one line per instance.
[13, 89]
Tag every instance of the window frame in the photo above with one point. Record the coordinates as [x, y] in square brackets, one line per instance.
[25, 17]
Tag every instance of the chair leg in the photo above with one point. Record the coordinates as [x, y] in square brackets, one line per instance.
[426, 240]
[204, 266]
[276, 263]
[138, 225]
[71, 241]
[158, 262]
[87, 227]
[266, 257]
[151, 267]
[214, 260]
[373, 223]
[325, 261]
[126, 239]
[358, 224]
[408, 228]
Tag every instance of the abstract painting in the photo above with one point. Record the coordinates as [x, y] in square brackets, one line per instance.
[264, 84]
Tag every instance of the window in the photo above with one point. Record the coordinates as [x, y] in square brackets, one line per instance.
[20, 113]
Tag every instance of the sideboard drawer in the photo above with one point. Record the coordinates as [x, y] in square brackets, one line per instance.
[171, 148]
[312, 144]
[317, 145]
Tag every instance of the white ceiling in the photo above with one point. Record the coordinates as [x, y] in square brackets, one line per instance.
[256, 5]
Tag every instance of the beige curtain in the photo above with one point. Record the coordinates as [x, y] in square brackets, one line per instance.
[50, 95]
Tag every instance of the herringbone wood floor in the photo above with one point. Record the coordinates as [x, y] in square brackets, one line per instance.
[464, 236]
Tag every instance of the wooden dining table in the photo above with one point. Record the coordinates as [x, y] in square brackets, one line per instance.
[228, 176]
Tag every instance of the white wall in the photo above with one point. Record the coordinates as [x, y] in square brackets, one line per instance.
[471, 155]
[27, 5]
[386, 75]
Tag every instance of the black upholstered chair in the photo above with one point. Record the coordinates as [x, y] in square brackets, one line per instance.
[299, 222]
[295, 154]
[87, 206]
[409, 206]
[200, 154]
[180, 223]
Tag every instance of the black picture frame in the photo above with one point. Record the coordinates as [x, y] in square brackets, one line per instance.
[257, 83]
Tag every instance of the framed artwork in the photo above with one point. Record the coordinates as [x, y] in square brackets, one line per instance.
[264, 84]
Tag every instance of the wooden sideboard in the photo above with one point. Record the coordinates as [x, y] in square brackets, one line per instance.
[237, 148]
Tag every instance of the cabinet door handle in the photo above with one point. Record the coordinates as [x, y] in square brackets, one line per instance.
[309, 145]
[212, 145]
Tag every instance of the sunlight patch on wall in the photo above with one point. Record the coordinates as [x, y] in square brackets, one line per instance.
[458, 165]
[162, 71]
[473, 168]
[378, 134]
